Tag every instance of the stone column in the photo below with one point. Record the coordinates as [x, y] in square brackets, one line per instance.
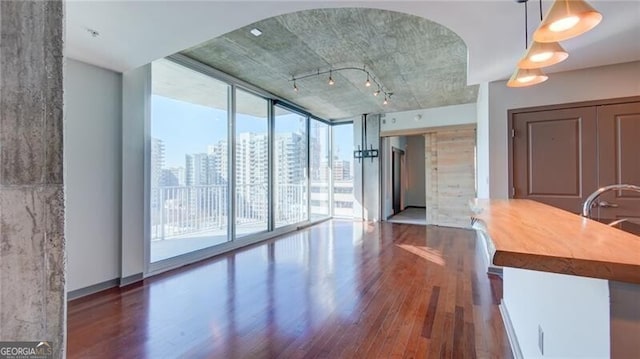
[32, 261]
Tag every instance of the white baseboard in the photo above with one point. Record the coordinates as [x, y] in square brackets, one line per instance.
[511, 333]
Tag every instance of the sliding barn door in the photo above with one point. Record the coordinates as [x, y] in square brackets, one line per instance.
[450, 176]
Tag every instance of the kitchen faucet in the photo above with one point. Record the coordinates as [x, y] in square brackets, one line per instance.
[586, 207]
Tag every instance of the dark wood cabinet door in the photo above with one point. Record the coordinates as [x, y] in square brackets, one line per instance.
[619, 159]
[554, 156]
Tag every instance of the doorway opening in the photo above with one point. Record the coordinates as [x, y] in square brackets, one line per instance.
[404, 179]
[397, 162]
[429, 178]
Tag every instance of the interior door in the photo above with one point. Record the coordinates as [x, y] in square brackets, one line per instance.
[554, 156]
[619, 160]
[397, 180]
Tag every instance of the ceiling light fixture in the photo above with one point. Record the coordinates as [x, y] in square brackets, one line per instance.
[523, 77]
[255, 32]
[567, 19]
[527, 77]
[385, 101]
[370, 80]
[542, 54]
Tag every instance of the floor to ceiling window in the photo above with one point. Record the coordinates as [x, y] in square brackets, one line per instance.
[252, 164]
[319, 169]
[343, 170]
[286, 167]
[290, 167]
[189, 167]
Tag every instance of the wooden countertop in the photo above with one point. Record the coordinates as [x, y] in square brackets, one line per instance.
[531, 235]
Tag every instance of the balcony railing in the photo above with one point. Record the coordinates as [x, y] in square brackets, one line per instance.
[185, 210]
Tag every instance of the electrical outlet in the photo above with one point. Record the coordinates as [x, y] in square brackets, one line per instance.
[540, 339]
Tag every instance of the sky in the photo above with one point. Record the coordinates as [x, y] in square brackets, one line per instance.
[189, 128]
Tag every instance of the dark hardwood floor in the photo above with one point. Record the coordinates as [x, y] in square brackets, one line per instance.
[336, 290]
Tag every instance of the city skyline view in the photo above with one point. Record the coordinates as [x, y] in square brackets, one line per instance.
[190, 172]
[200, 127]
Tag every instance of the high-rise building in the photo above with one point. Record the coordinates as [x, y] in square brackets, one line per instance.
[252, 180]
[196, 168]
[290, 157]
[251, 172]
[317, 158]
[179, 174]
[168, 178]
[157, 161]
[218, 160]
[341, 170]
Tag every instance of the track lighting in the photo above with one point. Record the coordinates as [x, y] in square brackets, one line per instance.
[371, 80]
[567, 19]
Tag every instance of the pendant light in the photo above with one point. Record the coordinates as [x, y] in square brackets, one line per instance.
[542, 54]
[523, 77]
[527, 77]
[567, 19]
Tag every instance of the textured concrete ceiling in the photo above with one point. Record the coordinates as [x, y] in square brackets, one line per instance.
[423, 63]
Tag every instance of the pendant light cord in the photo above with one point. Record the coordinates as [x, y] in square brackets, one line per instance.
[540, 10]
[526, 26]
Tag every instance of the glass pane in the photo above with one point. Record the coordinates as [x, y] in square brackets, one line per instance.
[319, 169]
[290, 167]
[252, 161]
[189, 173]
[343, 170]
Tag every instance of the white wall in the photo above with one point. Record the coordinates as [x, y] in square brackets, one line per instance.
[621, 80]
[573, 313]
[136, 92]
[482, 142]
[420, 121]
[415, 172]
[92, 162]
